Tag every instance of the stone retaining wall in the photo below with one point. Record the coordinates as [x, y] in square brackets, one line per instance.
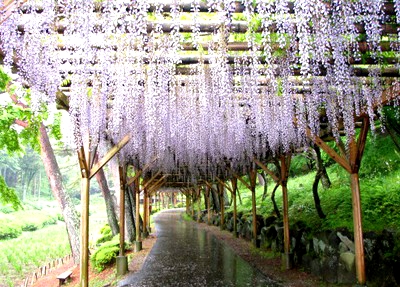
[329, 254]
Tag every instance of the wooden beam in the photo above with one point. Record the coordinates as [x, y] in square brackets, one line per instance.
[141, 171]
[148, 182]
[267, 170]
[110, 154]
[157, 184]
[224, 184]
[242, 181]
[330, 151]
[137, 211]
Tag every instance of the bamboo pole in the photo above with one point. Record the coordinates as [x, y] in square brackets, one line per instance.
[253, 177]
[234, 189]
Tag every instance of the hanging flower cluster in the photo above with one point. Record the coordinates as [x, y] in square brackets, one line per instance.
[307, 64]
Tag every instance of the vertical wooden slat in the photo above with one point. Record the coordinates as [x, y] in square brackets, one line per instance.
[208, 204]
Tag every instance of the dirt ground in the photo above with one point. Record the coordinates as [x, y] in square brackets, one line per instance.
[271, 267]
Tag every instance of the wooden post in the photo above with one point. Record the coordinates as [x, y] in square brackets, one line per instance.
[285, 164]
[137, 219]
[144, 213]
[84, 157]
[253, 177]
[192, 203]
[122, 211]
[358, 233]
[187, 202]
[198, 204]
[84, 262]
[149, 205]
[222, 205]
[234, 188]
[207, 191]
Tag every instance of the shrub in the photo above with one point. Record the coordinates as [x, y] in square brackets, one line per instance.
[106, 235]
[6, 209]
[105, 254]
[9, 229]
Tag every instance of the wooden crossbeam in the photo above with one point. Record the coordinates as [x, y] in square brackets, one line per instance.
[141, 171]
[267, 170]
[330, 151]
[110, 154]
[148, 182]
[224, 184]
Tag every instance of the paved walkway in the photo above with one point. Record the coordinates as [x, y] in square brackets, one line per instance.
[186, 256]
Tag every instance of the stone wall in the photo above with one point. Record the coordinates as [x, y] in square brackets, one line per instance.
[328, 254]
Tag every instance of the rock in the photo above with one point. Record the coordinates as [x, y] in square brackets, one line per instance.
[346, 241]
[329, 269]
[315, 245]
[343, 248]
[268, 235]
[344, 276]
[333, 240]
[316, 268]
[321, 246]
[348, 261]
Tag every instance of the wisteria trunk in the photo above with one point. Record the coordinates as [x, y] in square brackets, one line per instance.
[110, 208]
[64, 201]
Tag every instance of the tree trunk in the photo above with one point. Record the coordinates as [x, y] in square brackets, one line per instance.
[215, 200]
[55, 178]
[110, 208]
[321, 175]
[129, 217]
[276, 209]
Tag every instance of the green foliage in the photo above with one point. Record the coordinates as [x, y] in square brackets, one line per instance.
[105, 254]
[9, 229]
[8, 195]
[4, 80]
[106, 234]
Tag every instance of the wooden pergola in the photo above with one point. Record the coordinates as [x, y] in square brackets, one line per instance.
[234, 52]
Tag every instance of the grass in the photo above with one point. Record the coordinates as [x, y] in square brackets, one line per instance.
[379, 184]
[21, 256]
[31, 250]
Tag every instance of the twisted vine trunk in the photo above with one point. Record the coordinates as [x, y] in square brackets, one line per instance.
[64, 201]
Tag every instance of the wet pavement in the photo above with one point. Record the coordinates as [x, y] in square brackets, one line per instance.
[186, 256]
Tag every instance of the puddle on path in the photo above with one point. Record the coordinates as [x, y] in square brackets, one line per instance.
[186, 256]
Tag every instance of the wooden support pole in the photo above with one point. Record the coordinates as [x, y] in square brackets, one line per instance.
[122, 181]
[285, 164]
[234, 189]
[84, 262]
[149, 204]
[145, 209]
[222, 205]
[207, 191]
[358, 231]
[192, 202]
[137, 219]
[198, 203]
[253, 178]
[85, 185]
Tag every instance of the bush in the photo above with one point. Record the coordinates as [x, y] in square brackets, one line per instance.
[106, 254]
[106, 235]
[9, 229]
[6, 209]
